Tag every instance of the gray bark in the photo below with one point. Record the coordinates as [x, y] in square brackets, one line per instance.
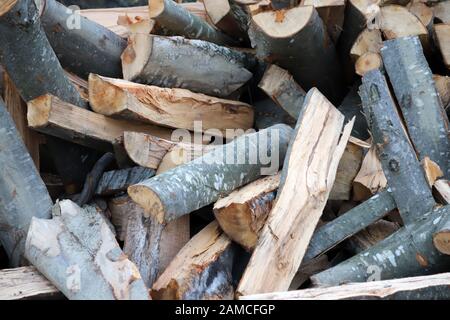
[117, 181]
[81, 45]
[400, 165]
[267, 114]
[22, 192]
[408, 252]
[283, 4]
[352, 107]
[419, 100]
[203, 181]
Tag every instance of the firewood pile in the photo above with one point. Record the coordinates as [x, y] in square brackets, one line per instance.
[225, 149]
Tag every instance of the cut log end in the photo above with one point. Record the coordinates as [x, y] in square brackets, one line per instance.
[273, 76]
[136, 55]
[156, 7]
[104, 97]
[149, 201]
[441, 241]
[217, 10]
[367, 62]
[39, 111]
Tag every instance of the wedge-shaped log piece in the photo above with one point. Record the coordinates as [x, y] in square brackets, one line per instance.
[297, 40]
[441, 238]
[176, 62]
[174, 108]
[52, 116]
[398, 158]
[369, 40]
[419, 101]
[442, 36]
[113, 182]
[311, 166]
[434, 287]
[78, 253]
[408, 252]
[203, 181]
[22, 192]
[200, 271]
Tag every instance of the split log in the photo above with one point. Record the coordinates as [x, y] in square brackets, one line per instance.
[311, 166]
[332, 13]
[72, 36]
[174, 108]
[176, 62]
[80, 84]
[398, 158]
[78, 253]
[443, 189]
[441, 11]
[244, 212]
[52, 116]
[432, 171]
[441, 238]
[434, 287]
[200, 271]
[443, 87]
[26, 283]
[174, 17]
[367, 62]
[281, 87]
[442, 36]
[423, 12]
[369, 40]
[117, 181]
[22, 192]
[298, 41]
[203, 181]
[418, 98]
[408, 252]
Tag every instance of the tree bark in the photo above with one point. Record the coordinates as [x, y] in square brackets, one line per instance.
[113, 182]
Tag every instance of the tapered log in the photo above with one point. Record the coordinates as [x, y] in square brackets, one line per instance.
[52, 116]
[298, 41]
[369, 40]
[26, 283]
[367, 62]
[443, 189]
[203, 181]
[423, 12]
[442, 84]
[419, 101]
[175, 108]
[281, 87]
[400, 165]
[117, 181]
[434, 287]
[22, 192]
[243, 213]
[442, 11]
[407, 253]
[174, 17]
[78, 253]
[200, 271]
[442, 36]
[311, 166]
[180, 63]
[72, 35]
[441, 238]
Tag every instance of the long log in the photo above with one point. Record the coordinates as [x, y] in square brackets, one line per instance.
[176, 62]
[310, 166]
[418, 98]
[22, 192]
[203, 181]
[113, 182]
[78, 253]
[408, 252]
[398, 158]
[299, 42]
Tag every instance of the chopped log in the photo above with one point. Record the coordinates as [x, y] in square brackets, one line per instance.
[369, 40]
[113, 182]
[434, 287]
[441, 11]
[26, 283]
[311, 165]
[418, 98]
[443, 189]
[331, 234]
[200, 271]
[176, 62]
[281, 87]
[22, 192]
[443, 87]
[149, 244]
[300, 44]
[398, 158]
[408, 252]
[332, 13]
[78, 253]
[367, 62]
[174, 17]
[52, 116]
[72, 35]
[423, 12]
[243, 213]
[442, 36]
[441, 238]
[216, 174]
[174, 108]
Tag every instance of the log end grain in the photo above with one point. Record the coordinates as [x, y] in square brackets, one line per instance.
[104, 97]
[136, 55]
[39, 111]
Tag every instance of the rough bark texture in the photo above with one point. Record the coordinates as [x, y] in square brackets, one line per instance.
[418, 98]
[22, 192]
[203, 181]
[79, 254]
[117, 181]
[400, 165]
